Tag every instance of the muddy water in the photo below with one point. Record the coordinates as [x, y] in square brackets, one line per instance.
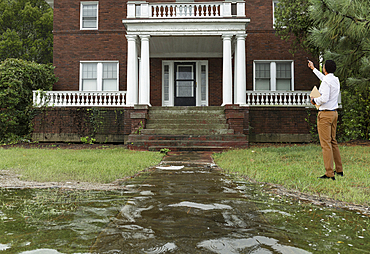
[185, 205]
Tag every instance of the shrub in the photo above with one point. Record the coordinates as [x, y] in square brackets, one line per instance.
[17, 80]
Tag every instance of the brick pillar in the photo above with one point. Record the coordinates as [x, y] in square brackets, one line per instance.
[237, 118]
[139, 116]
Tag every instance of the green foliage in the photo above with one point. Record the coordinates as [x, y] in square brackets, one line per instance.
[342, 32]
[165, 151]
[17, 80]
[140, 128]
[338, 30]
[26, 30]
[88, 140]
[292, 23]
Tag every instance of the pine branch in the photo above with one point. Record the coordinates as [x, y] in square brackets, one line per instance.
[354, 19]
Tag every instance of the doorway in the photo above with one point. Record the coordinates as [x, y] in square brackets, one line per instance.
[185, 84]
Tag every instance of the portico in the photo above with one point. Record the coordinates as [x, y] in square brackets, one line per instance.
[186, 41]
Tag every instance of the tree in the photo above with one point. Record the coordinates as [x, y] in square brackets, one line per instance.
[293, 22]
[342, 32]
[26, 30]
[18, 78]
[338, 30]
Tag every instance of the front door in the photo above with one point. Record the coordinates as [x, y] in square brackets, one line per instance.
[185, 84]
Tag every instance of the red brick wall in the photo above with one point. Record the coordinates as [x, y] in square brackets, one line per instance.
[72, 45]
[83, 121]
[215, 81]
[280, 120]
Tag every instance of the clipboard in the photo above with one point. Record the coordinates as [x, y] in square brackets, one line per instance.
[314, 94]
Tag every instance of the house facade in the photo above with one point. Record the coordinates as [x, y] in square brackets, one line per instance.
[176, 53]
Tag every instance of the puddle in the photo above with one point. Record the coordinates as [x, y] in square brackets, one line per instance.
[189, 209]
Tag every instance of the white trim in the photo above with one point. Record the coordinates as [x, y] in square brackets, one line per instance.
[273, 73]
[99, 74]
[198, 66]
[273, 12]
[194, 27]
[97, 14]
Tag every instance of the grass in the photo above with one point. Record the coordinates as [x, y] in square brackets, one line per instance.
[85, 165]
[297, 168]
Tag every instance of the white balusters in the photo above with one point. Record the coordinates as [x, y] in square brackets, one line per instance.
[78, 99]
[271, 99]
[180, 10]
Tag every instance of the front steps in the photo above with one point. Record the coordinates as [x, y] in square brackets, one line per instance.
[187, 129]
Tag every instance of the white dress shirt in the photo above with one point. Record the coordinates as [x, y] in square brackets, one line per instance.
[329, 90]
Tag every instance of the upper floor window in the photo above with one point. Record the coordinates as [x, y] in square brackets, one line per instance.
[89, 16]
[99, 76]
[274, 6]
[274, 75]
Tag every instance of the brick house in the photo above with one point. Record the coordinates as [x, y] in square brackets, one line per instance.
[139, 55]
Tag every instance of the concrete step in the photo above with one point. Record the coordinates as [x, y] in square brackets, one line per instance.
[193, 126]
[191, 148]
[197, 143]
[186, 131]
[188, 108]
[168, 121]
[227, 137]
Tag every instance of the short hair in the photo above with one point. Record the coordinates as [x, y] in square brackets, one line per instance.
[330, 66]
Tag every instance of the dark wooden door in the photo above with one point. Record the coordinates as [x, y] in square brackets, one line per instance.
[185, 84]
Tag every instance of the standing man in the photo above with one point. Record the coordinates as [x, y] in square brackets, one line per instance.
[327, 117]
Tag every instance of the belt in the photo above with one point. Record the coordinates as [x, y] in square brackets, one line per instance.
[328, 110]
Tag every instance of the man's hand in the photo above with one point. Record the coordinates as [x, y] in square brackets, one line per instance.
[310, 65]
[312, 101]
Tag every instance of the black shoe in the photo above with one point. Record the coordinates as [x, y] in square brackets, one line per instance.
[338, 173]
[327, 177]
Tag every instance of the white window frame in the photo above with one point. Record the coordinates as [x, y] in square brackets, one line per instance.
[99, 75]
[97, 15]
[273, 73]
[273, 12]
[198, 66]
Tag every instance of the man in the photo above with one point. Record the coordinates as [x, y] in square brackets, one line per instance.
[327, 118]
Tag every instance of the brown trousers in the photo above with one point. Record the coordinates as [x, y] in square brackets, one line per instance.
[327, 128]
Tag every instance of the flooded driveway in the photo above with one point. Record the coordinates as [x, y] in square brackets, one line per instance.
[185, 205]
[188, 206]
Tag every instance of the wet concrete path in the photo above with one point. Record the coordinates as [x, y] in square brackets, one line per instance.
[186, 205]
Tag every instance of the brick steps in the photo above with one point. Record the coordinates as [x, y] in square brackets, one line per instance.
[195, 131]
[187, 129]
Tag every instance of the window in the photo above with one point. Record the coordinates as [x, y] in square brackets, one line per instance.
[273, 76]
[274, 5]
[89, 15]
[99, 76]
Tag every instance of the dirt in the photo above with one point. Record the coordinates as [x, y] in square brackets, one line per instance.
[10, 180]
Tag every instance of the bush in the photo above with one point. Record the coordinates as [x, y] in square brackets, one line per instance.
[17, 80]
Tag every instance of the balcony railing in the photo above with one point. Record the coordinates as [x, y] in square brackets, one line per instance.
[185, 10]
[268, 98]
[79, 99]
[118, 99]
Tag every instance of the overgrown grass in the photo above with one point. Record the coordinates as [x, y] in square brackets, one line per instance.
[297, 167]
[87, 165]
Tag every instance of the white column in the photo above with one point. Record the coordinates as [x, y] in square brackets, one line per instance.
[144, 80]
[235, 70]
[241, 81]
[227, 71]
[132, 78]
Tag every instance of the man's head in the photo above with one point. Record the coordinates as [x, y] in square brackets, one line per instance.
[330, 66]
